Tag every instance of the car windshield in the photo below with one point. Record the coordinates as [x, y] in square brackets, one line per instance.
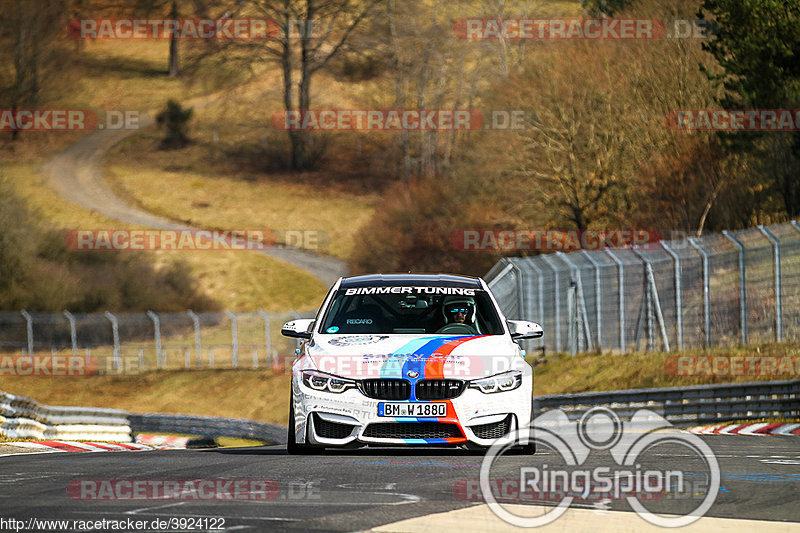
[413, 310]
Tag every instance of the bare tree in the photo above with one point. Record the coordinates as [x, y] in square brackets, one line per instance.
[312, 32]
[26, 31]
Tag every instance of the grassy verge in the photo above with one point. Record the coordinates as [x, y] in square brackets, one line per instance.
[225, 184]
[254, 394]
[562, 373]
[129, 76]
[263, 395]
[235, 279]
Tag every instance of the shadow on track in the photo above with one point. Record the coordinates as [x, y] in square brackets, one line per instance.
[428, 451]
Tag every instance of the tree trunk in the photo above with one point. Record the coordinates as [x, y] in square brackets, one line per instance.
[174, 60]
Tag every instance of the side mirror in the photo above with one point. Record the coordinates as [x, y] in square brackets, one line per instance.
[300, 328]
[522, 329]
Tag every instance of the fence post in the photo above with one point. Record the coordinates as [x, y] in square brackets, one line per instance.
[742, 286]
[198, 347]
[598, 298]
[157, 330]
[73, 337]
[557, 299]
[580, 304]
[621, 277]
[115, 334]
[29, 331]
[706, 291]
[540, 293]
[267, 334]
[776, 251]
[234, 339]
[678, 297]
[654, 300]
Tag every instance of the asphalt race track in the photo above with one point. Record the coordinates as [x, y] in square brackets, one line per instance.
[354, 490]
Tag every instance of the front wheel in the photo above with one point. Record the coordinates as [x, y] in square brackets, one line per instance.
[292, 446]
[525, 449]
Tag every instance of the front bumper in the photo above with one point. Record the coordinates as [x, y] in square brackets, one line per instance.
[351, 419]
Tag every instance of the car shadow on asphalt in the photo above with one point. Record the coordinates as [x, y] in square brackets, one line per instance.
[429, 451]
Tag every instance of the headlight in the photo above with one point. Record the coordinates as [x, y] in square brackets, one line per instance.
[499, 383]
[326, 382]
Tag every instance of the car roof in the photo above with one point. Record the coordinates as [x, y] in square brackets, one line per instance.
[441, 280]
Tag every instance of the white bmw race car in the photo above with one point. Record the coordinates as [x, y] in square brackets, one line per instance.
[408, 359]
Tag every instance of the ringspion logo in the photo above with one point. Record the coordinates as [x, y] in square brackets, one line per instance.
[635, 474]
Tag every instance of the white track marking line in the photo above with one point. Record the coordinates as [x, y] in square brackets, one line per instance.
[153, 507]
[479, 518]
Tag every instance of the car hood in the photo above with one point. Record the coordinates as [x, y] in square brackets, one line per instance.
[425, 357]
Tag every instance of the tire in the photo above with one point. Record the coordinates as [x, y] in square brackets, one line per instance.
[527, 449]
[292, 447]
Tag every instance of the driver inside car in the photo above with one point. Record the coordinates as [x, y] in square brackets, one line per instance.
[459, 313]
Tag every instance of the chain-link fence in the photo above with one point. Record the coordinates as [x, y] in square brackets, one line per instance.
[53, 343]
[737, 287]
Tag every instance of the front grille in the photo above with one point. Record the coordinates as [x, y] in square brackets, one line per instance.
[439, 389]
[412, 430]
[495, 430]
[331, 430]
[385, 389]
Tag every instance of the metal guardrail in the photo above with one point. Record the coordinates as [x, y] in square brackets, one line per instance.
[208, 426]
[688, 405]
[22, 417]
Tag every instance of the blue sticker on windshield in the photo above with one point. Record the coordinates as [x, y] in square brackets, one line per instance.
[332, 329]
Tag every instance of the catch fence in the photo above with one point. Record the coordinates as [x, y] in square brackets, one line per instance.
[738, 287]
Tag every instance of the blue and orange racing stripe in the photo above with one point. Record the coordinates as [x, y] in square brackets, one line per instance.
[425, 356]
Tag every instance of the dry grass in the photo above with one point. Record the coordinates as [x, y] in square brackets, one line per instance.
[237, 280]
[562, 373]
[229, 184]
[263, 395]
[254, 394]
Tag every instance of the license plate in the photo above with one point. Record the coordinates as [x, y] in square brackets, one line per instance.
[412, 409]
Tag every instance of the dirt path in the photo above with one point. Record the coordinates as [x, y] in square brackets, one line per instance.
[76, 174]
